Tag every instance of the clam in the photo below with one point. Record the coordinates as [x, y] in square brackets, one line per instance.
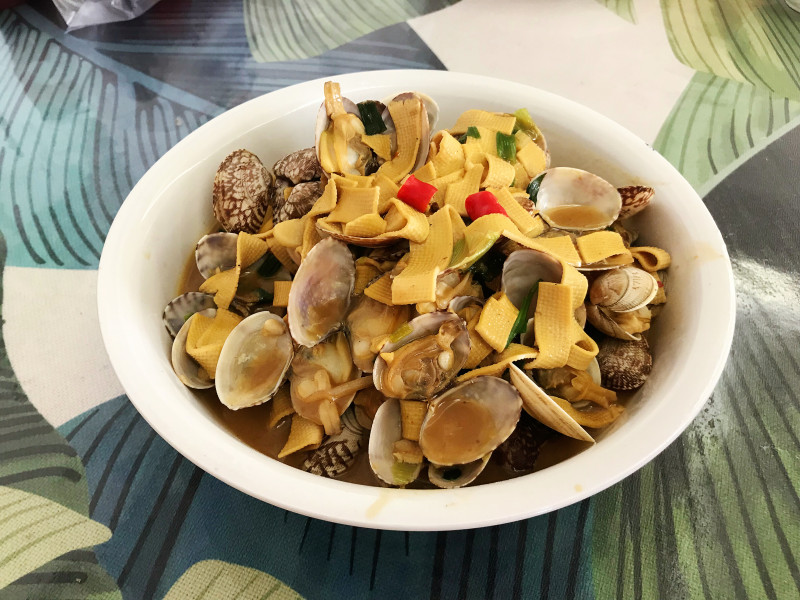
[370, 319]
[386, 431]
[320, 375]
[469, 421]
[186, 368]
[519, 452]
[624, 289]
[338, 134]
[178, 311]
[422, 357]
[320, 294]
[215, 252]
[254, 361]
[243, 189]
[429, 117]
[624, 365]
[299, 166]
[577, 200]
[298, 203]
[456, 476]
[634, 199]
[338, 452]
[543, 408]
[623, 326]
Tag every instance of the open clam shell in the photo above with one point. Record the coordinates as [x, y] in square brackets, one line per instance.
[357, 155]
[422, 363]
[387, 429]
[542, 408]
[215, 252]
[320, 294]
[609, 322]
[469, 421]
[178, 311]
[368, 320]
[429, 117]
[456, 476]
[186, 368]
[577, 200]
[254, 361]
[623, 289]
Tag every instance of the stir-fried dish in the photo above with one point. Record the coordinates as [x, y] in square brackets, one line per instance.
[436, 300]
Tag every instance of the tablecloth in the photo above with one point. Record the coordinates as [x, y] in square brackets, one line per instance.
[94, 504]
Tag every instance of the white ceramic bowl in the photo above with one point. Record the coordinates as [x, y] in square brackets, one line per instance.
[170, 208]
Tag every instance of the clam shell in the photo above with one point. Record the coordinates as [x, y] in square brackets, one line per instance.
[323, 122]
[215, 252]
[456, 476]
[624, 289]
[360, 241]
[178, 311]
[522, 269]
[419, 327]
[519, 452]
[320, 294]
[624, 366]
[542, 408]
[469, 421]
[186, 368]
[565, 187]
[300, 200]
[634, 199]
[430, 115]
[386, 430]
[338, 452]
[253, 362]
[367, 320]
[299, 166]
[603, 322]
[242, 192]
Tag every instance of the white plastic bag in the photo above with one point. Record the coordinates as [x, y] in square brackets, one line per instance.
[85, 13]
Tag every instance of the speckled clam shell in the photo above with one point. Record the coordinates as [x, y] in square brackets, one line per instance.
[624, 365]
[299, 166]
[300, 200]
[519, 452]
[178, 311]
[634, 199]
[243, 189]
[338, 452]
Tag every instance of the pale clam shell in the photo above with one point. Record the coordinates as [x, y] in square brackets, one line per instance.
[367, 320]
[624, 289]
[324, 282]
[498, 401]
[186, 368]
[603, 322]
[456, 476]
[387, 429]
[240, 354]
[215, 252]
[542, 408]
[566, 186]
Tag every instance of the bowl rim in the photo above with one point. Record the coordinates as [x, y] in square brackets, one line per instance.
[384, 508]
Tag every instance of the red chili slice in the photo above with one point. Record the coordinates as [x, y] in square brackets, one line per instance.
[483, 203]
[416, 193]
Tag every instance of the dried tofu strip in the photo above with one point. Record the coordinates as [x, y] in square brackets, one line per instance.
[381, 290]
[502, 361]
[353, 203]
[304, 435]
[223, 285]
[583, 349]
[521, 177]
[441, 184]
[482, 118]
[282, 254]
[326, 202]
[310, 236]
[365, 226]
[404, 221]
[553, 325]
[485, 144]
[478, 238]
[651, 258]
[280, 406]
[426, 173]
[367, 270]
[206, 337]
[457, 191]
[496, 320]
[381, 143]
[478, 349]
[417, 282]
[562, 247]
[500, 173]
[412, 413]
[281, 293]
[603, 246]
[388, 190]
[526, 224]
[289, 233]
[448, 155]
[533, 159]
[407, 117]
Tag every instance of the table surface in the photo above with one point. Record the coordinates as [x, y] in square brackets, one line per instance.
[93, 504]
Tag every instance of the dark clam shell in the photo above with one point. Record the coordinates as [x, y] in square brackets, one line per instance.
[519, 452]
[243, 189]
[300, 200]
[338, 452]
[624, 365]
[299, 166]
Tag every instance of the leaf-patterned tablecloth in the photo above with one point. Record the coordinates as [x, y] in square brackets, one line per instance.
[94, 504]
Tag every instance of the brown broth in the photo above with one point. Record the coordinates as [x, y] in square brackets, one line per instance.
[576, 215]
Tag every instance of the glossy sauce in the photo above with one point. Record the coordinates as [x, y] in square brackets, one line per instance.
[576, 215]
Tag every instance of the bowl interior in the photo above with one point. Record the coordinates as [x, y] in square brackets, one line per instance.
[169, 210]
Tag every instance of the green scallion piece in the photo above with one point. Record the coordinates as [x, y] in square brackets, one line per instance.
[533, 188]
[506, 147]
[472, 132]
[521, 323]
[371, 117]
[400, 333]
[524, 119]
